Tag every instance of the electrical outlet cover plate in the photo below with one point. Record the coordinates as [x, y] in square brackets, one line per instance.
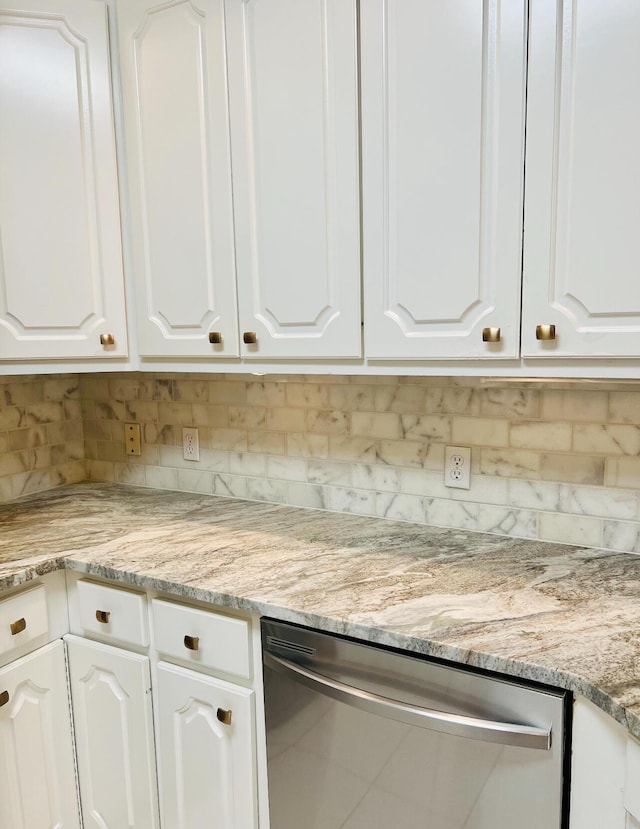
[457, 466]
[190, 444]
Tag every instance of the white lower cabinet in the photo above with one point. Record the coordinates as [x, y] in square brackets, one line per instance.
[111, 697]
[37, 777]
[205, 751]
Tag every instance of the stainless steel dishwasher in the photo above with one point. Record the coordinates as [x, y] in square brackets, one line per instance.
[359, 737]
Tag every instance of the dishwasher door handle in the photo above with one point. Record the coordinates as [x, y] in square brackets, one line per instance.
[458, 725]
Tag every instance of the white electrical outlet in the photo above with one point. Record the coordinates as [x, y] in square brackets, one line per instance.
[190, 444]
[457, 466]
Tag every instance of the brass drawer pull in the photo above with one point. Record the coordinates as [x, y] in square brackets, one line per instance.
[103, 616]
[224, 716]
[107, 339]
[4, 698]
[250, 337]
[215, 337]
[192, 642]
[490, 335]
[545, 332]
[18, 627]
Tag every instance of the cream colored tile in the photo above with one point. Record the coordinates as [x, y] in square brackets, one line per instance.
[126, 473]
[247, 417]
[623, 472]
[577, 469]
[400, 507]
[307, 446]
[71, 409]
[207, 414]
[286, 419]
[434, 427]
[375, 477]
[195, 480]
[4, 443]
[154, 433]
[445, 513]
[27, 438]
[401, 452]
[15, 462]
[509, 403]
[357, 398]
[621, 535]
[214, 460]
[356, 502]
[20, 394]
[306, 495]
[230, 486]
[378, 425]
[47, 412]
[606, 439]
[224, 392]
[478, 431]
[570, 529]
[271, 443]
[235, 440]
[100, 471]
[328, 422]
[361, 450]
[6, 489]
[35, 481]
[141, 411]
[461, 401]
[61, 388]
[624, 407]
[124, 389]
[554, 435]
[510, 463]
[308, 395]
[266, 394]
[519, 523]
[175, 414]
[574, 405]
[11, 418]
[424, 482]
[401, 399]
[261, 489]
[191, 391]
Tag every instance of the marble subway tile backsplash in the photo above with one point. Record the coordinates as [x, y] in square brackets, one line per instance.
[551, 461]
[41, 434]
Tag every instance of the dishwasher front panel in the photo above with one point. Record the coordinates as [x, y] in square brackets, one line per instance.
[363, 738]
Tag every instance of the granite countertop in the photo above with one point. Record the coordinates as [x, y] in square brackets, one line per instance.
[558, 614]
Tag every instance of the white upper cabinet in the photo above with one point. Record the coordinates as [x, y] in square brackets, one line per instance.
[61, 282]
[582, 209]
[443, 92]
[294, 125]
[173, 59]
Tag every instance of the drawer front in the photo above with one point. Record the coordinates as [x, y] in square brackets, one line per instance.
[112, 613]
[202, 638]
[23, 618]
[632, 783]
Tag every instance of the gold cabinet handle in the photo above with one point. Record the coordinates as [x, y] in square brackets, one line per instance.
[18, 627]
[4, 699]
[545, 332]
[250, 337]
[107, 339]
[192, 642]
[224, 716]
[103, 616]
[215, 337]
[490, 335]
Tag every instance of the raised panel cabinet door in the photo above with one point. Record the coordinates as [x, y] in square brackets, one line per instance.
[112, 711]
[582, 209]
[206, 764]
[61, 279]
[37, 775]
[443, 92]
[294, 125]
[174, 73]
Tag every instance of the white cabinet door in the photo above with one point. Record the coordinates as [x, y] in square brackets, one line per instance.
[294, 126]
[173, 60]
[111, 695]
[207, 767]
[37, 776]
[582, 212]
[443, 91]
[61, 282]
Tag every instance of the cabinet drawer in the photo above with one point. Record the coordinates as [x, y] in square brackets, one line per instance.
[632, 783]
[202, 637]
[23, 618]
[113, 613]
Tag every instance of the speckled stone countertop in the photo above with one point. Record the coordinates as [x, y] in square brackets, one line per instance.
[557, 614]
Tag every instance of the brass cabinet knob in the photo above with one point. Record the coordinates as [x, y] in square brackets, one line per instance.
[545, 332]
[224, 716]
[107, 339]
[18, 627]
[103, 616]
[215, 337]
[490, 335]
[4, 699]
[192, 642]
[250, 337]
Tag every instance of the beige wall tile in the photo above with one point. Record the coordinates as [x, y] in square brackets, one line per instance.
[328, 422]
[510, 463]
[327, 472]
[577, 469]
[247, 417]
[176, 414]
[271, 443]
[224, 392]
[308, 395]
[307, 446]
[574, 405]
[356, 398]
[624, 407]
[623, 472]
[512, 403]
[434, 427]
[570, 529]
[478, 431]
[207, 414]
[379, 425]
[401, 399]
[361, 450]
[551, 436]
[235, 440]
[266, 394]
[606, 439]
[286, 419]
[27, 438]
[191, 391]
